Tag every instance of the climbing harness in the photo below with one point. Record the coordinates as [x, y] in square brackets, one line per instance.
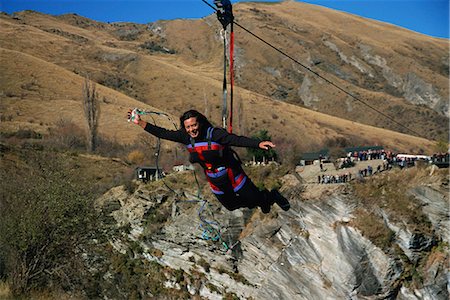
[209, 155]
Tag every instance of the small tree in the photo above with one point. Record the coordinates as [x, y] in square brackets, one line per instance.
[260, 154]
[91, 112]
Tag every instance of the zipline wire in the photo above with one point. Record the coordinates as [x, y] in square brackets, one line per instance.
[320, 76]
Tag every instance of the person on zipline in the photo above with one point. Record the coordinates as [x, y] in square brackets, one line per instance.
[211, 148]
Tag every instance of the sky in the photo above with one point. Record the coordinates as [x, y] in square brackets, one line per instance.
[430, 17]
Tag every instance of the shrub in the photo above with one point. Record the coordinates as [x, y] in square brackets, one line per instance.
[267, 177]
[204, 264]
[135, 278]
[67, 135]
[110, 147]
[23, 134]
[155, 47]
[116, 82]
[5, 293]
[4, 118]
[391, 193]
[155, 219]
[136, 157]
[44, 218]
[373, 228]
[441, 146]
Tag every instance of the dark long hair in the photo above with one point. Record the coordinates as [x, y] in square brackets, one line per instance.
[201, 119]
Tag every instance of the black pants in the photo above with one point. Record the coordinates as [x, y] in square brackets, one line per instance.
[247, 196]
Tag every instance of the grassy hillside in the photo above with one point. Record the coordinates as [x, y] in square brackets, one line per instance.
[177, 65]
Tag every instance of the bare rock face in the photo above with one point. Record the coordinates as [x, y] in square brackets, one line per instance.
[417, 91]
[435, 205]
[312, 251]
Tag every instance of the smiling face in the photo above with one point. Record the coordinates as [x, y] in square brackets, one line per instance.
[192, 127]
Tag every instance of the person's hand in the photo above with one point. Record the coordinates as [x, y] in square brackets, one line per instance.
[266, 145]
[133, 116]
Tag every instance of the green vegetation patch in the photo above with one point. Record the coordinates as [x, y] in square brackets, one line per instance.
[373, 228]
[45, 216]
[267, 177]
[235, 276]
[390, 191]
[136, 278]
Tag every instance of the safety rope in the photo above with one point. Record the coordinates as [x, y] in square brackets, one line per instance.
[211, 229]
[158, 141]
[320, 76]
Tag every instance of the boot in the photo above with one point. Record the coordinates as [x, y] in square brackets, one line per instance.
[279, 199]
[267, 202]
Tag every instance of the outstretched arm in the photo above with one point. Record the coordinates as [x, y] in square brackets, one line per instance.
[171, 135]
[223, 137]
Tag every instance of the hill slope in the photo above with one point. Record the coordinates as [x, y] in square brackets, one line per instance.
[177, 65]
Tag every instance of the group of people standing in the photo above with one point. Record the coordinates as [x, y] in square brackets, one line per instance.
[370, 155]
[342, 178]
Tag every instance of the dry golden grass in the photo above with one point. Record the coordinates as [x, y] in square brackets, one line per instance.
[438, 255]
[5, 292]
[42, 75]
[65, 102]
[136, 157]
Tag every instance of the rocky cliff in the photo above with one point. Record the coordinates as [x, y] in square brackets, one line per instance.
[341, 241]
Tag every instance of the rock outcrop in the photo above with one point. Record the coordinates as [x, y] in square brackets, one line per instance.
[312, 251]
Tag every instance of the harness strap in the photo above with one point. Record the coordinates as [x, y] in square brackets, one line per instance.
[213, 172]
[209, 136]
[224, 86]
[236, 182]
[230, 125]
[231, 177]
